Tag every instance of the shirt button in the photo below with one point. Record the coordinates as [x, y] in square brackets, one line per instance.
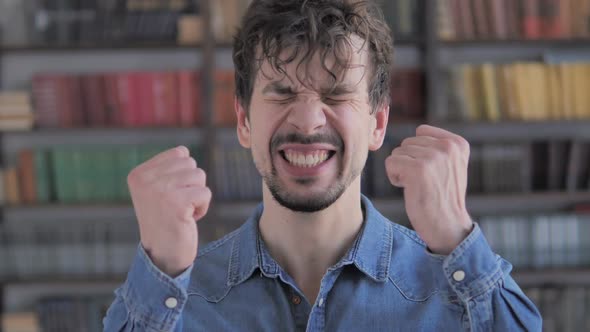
[296, 300]
[171, 303]
[321, 302]
[459, 275]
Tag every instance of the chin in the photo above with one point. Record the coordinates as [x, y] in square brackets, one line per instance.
[305, 202]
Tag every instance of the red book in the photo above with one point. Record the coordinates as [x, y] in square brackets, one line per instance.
[65, 107]
[189, 96]
[415, 82]
[224, 98]
[565, 18]
[94, 98]
[46, 100]
[142, 98]
[513, 19]
[74, 101]
[482, 24]
[399, 97]
[531, 19]
[128, 95]
[165, 99]
[113, 103]
[498, 20]
[552, 24]
[467, 19]
[458, 23]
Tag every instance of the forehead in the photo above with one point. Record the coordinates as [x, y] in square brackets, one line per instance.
[348, 64]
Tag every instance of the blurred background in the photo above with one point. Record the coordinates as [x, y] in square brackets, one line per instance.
[90, 89]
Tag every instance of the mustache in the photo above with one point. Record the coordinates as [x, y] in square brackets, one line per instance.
[324, 138]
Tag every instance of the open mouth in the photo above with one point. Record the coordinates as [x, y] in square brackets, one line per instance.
[307, 159]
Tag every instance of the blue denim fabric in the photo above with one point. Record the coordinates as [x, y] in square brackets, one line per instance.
[388, 281]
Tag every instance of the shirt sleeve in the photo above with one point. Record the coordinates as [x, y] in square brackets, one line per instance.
[149, 300]
[481, 280]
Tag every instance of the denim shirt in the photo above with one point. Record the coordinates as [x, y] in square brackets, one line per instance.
[388, 281]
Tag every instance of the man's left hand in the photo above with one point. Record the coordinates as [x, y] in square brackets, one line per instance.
[432, 169]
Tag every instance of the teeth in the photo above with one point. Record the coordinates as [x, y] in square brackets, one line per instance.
[306, 160]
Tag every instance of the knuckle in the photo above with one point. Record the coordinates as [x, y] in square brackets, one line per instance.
[192, 163]
[201, 175]
[178, 152]
[447, 146]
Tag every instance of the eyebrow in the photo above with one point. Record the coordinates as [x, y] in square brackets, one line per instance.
[281, 89]
[278, 88]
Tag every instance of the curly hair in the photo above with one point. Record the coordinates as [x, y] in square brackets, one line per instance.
[304, 28]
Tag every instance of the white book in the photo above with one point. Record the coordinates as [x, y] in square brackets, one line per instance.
[573, 250]
[558, 240]
[541, 241]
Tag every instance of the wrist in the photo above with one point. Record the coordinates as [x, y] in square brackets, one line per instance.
[452, 239]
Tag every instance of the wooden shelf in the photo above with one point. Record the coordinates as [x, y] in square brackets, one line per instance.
[477, 204]
[17, 140]
[481, 132]
[474, 132]
[552, 277]
[88, 47]
[501, 204]
[568, 42]
[451, 53]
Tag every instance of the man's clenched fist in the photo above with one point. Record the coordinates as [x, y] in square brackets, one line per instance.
[432, 169]
[169, 195]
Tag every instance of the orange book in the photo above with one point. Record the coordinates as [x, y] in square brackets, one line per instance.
[11, 187]
[26, 175]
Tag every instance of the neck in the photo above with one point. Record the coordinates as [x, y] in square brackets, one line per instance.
[306, 244]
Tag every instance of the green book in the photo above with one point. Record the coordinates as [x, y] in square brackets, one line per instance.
[62, 175]
[126, 158]
[42, 175]
[104, 175]
[81, 175]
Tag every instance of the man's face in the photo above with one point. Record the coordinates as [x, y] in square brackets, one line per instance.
[308, 142]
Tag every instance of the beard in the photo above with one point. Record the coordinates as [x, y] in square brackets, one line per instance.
[309, 202]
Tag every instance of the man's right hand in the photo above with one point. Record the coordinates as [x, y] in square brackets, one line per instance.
[169, 195]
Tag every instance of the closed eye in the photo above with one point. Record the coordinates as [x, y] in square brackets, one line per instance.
[334, 101]
[282, 100]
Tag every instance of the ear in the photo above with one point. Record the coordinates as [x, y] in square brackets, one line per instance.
[378, 128]
[243, 127]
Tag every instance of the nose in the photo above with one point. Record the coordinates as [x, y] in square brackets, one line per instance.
[307, 116]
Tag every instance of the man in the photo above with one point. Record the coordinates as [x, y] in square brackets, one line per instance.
[311, 101]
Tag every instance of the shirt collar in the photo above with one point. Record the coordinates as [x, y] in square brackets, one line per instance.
[370, 253]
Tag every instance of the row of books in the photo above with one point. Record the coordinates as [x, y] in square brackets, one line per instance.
[405, 17]
[74, 22]
[60, 314]
[513, 19]
[558, 240]
[89, 174]
[158, 99]
[53, 249]
[97, 174]
[517, 167]
[564, 309]
[529, 91]
[123, 99]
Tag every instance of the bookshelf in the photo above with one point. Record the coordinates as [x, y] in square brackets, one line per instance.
[426, 52]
